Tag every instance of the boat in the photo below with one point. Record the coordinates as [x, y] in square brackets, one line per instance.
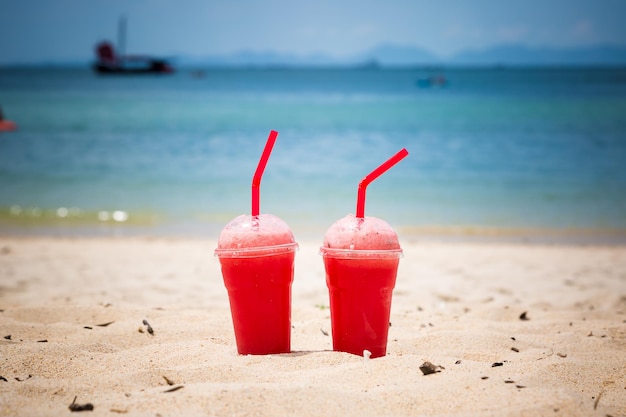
[432, 81]
[109, 61]
[6, 125]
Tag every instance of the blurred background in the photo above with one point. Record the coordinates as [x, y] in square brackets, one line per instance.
[148, 117]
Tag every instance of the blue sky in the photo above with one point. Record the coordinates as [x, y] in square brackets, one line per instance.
[56, 30]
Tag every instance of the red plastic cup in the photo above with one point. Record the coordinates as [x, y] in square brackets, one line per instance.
[360, 283]
[361, 257]
[257, 258]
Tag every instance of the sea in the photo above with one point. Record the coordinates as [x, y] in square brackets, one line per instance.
[499, 152]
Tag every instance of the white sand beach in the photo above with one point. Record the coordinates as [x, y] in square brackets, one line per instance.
[72, 326]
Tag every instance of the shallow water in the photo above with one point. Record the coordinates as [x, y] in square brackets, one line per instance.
[494, 151]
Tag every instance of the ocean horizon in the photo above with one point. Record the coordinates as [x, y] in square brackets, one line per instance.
[493, 152]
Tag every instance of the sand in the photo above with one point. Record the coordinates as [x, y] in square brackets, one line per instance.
[72, 312]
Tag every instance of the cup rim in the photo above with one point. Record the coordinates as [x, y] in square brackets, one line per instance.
[360, 253]
[256, 251]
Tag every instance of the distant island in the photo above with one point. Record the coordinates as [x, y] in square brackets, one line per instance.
[392, 55]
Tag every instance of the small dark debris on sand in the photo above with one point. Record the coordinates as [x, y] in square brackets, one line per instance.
[524, 316]
[7, 337]
[18, 379]
[105, 324]
[88, 327]
[493, 365]
[595, 403]
[514, 349]
[484, 377]
[457, 362]
[428, 368]
[176, 388]
[324, 332]
[3, 379]
[80, 407]
[508, 381]
[42, 341]
[169, 381]
[148, 327]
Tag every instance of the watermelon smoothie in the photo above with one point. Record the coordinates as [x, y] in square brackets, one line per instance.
[361, 257]
[257, 254]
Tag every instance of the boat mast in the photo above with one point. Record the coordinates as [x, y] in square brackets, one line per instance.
[121, 36]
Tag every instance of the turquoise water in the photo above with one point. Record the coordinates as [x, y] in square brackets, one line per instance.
[493, 151]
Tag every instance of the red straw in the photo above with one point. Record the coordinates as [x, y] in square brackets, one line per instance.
[360, 199]
[256, 179]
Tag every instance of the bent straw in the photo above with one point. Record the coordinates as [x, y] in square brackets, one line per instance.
[256, 179]
[360, 199]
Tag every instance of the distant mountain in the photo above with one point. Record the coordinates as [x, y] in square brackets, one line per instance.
[523, 55]
[389, 55]
[396, 55]
[258, 59]
[383, 55]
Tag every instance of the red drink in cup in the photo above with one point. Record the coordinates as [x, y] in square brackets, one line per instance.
[361, 256]
[257, 254]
